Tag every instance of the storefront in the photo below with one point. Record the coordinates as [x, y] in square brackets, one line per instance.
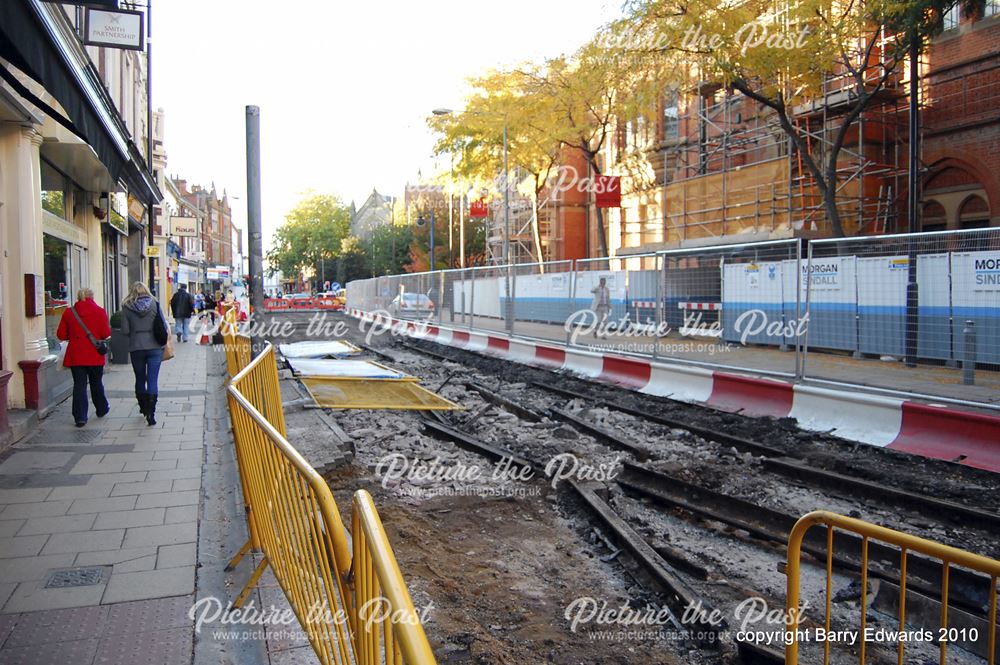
[65, 259]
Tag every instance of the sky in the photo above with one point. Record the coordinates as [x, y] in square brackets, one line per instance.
[344, 88]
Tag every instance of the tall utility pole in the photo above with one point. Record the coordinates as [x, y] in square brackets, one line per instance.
[150, 222]
[451, 224]
[254, 220]
[509, 309]
[912, 297]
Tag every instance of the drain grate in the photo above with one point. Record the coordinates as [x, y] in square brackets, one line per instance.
[73, 577]
[68, 436]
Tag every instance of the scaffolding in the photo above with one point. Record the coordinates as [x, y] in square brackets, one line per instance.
[525, 245]
[725, 167]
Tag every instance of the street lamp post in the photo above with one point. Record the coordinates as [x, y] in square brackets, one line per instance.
[509, 308]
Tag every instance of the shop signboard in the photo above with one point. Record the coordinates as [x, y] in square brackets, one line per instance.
[120, 28]
[184, 227]
[136, 209]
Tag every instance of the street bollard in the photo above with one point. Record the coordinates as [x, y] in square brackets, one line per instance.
[969, 358]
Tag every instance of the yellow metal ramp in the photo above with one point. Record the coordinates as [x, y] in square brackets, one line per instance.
[404, 394]
[363, 384]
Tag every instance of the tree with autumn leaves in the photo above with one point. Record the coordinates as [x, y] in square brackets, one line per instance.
[781, 55]
[564, 103]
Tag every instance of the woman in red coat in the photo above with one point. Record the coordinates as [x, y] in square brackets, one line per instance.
[82, 358]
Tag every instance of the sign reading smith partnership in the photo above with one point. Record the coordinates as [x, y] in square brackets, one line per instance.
[121, 28]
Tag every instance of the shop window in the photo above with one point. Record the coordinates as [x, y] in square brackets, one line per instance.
[54, 188]
[57, 287]
[991, 8]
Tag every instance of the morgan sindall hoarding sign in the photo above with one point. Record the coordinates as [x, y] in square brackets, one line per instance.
[117, 29]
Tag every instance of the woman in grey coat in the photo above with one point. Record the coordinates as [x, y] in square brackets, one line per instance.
[138, 314]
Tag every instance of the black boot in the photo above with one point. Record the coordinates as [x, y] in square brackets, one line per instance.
[143, 405]
[150, 409]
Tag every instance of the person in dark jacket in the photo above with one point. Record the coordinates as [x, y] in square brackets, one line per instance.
[138, 314]
[181, 306]
[82, 358]
[210, 308]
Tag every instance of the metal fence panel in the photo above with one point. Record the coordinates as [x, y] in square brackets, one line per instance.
[929, 299]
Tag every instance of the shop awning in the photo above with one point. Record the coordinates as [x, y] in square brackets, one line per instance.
[32, 42]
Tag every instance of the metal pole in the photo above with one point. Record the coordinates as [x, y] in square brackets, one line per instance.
[150, 230]
[451, 206]
[912, 297]
[433, 223]
[254, 219]
[461, 229]
[509, 308]
[969, 356]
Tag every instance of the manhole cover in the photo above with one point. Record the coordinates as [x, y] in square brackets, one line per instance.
[74, 577]
[68, 436]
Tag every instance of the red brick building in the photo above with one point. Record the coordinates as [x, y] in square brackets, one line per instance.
[721, 170]
[961, 123]
[216, 222]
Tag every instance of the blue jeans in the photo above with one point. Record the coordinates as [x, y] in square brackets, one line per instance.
[181, 328]
[146, 365]
[83, 375]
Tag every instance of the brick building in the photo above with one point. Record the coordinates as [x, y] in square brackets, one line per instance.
[961, 123]
[216, 230]
[716, 167]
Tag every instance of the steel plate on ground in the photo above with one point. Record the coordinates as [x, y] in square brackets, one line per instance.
[319, 349]
[336, 393]
[345, 369]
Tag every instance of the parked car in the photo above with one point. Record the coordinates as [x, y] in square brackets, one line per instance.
[416, 304]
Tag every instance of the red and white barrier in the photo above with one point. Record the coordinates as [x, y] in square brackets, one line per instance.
[318, 304]
[934, 431]
[701, 306]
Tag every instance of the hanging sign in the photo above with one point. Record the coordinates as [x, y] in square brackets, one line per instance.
[608, 191]
[478, 209]
[184, 227]
[121, 28]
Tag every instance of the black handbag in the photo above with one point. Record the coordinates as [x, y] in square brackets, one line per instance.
[99, 344]
[160, 332]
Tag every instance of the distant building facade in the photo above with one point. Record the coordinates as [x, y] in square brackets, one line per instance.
[375, 212]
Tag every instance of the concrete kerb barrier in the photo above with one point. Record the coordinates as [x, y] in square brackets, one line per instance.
[520, 352]
[867, 418]
[750, 395]
[928, 430]
[588, 364]
[937, 431]
[684, 384]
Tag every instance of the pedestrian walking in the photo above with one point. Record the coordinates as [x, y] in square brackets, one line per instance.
[139, 322]
[209, 308]
[85, 326]
[199, 302]
[602, 300]
[181, 306]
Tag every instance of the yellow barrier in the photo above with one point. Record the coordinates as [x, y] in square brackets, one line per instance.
[295, 523]
[237, 346]
[387, 621]
[906, 543]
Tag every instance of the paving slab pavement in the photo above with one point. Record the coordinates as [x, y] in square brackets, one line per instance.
[99, 527]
